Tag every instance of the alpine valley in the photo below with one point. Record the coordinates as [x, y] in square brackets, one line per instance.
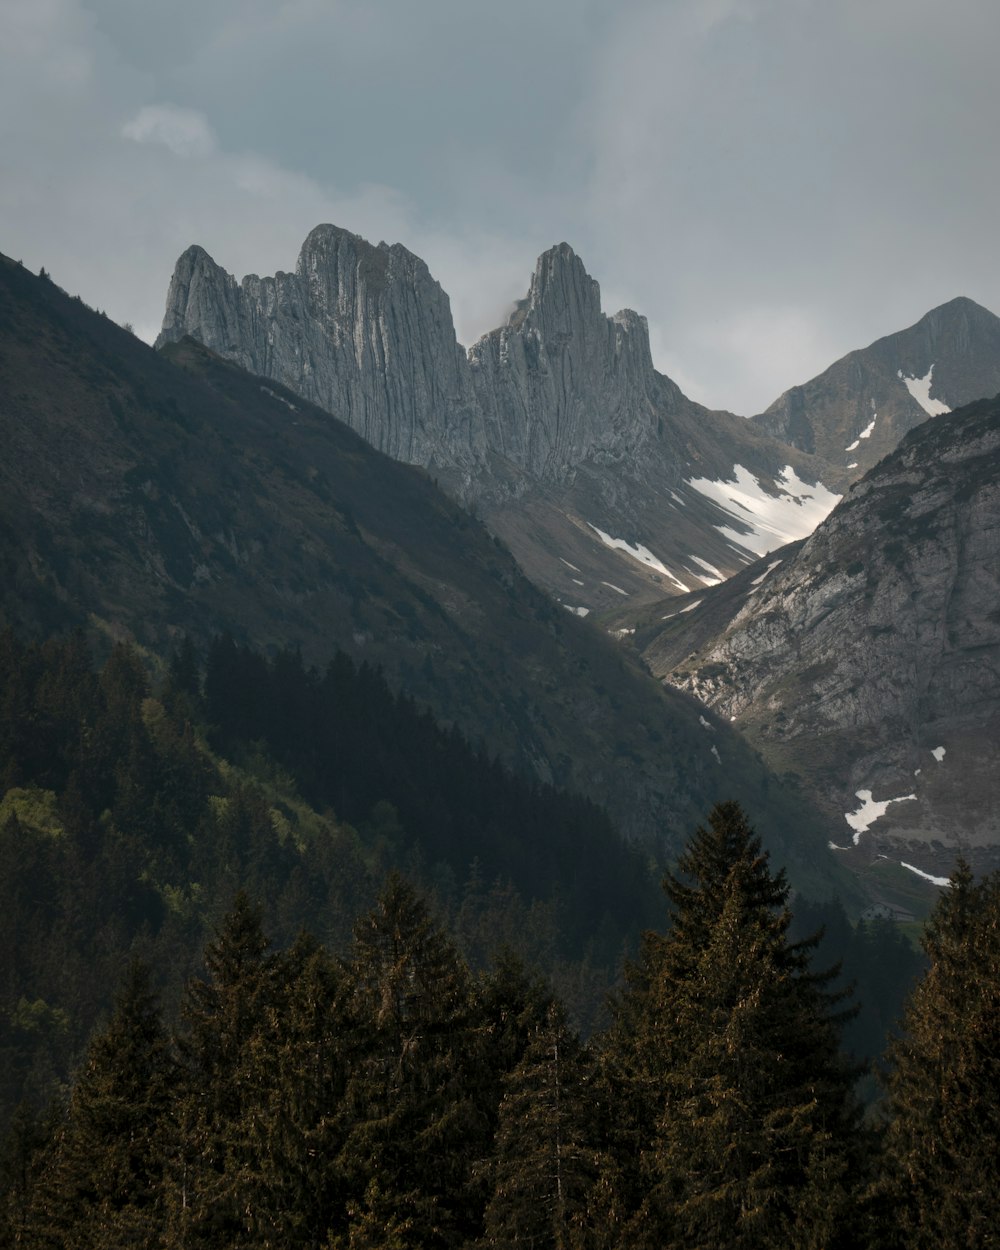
[621, 497]
[313, 622]
[312, 461]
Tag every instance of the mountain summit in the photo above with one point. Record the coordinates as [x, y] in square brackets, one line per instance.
[601, 476]
[859, 409]
[364, 332]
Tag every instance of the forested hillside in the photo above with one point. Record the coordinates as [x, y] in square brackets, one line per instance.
[129, 822]
[391, 1097]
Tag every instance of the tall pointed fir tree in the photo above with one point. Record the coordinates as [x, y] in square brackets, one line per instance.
[737, 1123]
[102, 1186]
[213, 1182]
[546, 1187]
[943, 1139]
[414, 1126]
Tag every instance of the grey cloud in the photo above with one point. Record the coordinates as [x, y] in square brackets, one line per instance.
[772, 182]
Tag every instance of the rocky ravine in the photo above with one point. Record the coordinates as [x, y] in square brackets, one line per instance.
[867, 659]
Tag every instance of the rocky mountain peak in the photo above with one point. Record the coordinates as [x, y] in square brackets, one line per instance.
[363, 331]
[562, 382]
[857, 411]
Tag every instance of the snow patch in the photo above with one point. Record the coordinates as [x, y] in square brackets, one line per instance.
[690, 607]
[715, 752]
[945, 881]
[638, 552]
[612, 586]
[920, 389]
[773, 519]
[939, 754]
[621, 633]
[706, 724]
[870, 811]
[577, 611]
[715, 578]
[570, 566]
[865, 433]
[853, 465]
[577, 581]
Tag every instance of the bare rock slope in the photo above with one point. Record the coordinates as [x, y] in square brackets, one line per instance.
[867, 658]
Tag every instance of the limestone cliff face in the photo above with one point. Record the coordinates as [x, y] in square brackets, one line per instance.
[556, 425]
[869, 657]
[561, 382]
[363, 331]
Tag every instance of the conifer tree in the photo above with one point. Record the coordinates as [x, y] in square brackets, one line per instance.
[213, 1189]
[943, 1137]
[736, 1108]
[102, 1186]
[414, 1128]
[545, 1172]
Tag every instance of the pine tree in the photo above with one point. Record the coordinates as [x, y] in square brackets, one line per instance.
[943, 1137]
[735, 1104]
[102, 1186]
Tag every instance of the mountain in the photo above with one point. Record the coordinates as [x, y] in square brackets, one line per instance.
[595, 469]
[866, 659]
[145, 495]
[857, 411]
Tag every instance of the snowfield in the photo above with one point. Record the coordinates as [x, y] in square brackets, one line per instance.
[773, 520]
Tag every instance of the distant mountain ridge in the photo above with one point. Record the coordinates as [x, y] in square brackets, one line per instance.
[602, 477]
[556, 426]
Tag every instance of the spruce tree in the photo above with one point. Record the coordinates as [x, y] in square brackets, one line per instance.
[737, 1124]
[102, 1186]
[545, 1171]
[214, 1192]
[943, 1137]
[414, 1125]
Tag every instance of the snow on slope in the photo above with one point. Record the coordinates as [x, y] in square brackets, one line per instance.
[920, 389]
[773, 519]
[638, 552]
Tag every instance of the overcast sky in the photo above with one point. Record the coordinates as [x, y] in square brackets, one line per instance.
[771, 182]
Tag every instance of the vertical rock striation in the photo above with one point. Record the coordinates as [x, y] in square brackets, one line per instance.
[561, 382]
[363, 331]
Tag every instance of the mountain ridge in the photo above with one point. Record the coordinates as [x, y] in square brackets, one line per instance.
[151, 494]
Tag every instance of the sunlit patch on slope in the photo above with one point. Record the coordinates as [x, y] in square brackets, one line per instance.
[773, 520]
[920, 389]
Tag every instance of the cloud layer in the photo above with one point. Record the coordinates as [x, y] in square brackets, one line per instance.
[772, 182]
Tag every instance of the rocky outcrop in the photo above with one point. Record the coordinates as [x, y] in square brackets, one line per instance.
[364, 332]
[857, 411]
[867, 659]
[561, 382]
